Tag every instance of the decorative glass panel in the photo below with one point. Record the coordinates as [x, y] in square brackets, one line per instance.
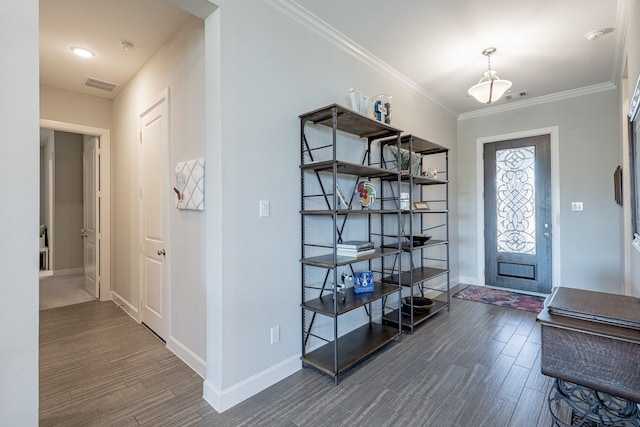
[515, 193]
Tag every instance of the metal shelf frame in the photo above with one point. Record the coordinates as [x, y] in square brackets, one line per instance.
[321, 297]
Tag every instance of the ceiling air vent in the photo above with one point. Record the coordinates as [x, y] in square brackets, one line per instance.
[516, 95]
[100, 84]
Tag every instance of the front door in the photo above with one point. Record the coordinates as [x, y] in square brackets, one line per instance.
[517, 204]
[154, 137]
[90, 160]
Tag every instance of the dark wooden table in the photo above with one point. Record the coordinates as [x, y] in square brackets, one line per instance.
[592, 339]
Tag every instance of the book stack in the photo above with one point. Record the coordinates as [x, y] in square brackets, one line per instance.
[355, 248]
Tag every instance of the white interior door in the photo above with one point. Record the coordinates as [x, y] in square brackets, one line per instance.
[91, 215]
[154, 138]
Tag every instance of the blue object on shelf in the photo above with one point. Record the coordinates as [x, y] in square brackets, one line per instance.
[363, 282]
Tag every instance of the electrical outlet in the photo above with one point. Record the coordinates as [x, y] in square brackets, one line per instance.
[275, 334]
[576, 206]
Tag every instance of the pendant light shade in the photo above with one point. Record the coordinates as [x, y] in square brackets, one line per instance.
[491, 87]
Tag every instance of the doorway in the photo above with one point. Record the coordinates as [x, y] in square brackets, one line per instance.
[63, 223]
[517, 217]
[99, 266]
[554, 142]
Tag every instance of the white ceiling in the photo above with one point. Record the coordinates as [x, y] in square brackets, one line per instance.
[100, 26]
[437, 44]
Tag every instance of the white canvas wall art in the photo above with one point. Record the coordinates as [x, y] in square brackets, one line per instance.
[189, 185]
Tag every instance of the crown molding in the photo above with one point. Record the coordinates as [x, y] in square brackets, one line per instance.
[305, 17]
[587, 90]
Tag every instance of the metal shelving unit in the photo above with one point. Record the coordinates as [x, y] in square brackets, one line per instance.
[427, 270]
[325, 222]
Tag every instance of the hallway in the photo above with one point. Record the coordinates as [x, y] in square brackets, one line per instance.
[59, 291]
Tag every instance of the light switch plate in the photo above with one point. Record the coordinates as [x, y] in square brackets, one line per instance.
[264, 208]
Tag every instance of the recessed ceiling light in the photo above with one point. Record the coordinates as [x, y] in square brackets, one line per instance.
[82, 51]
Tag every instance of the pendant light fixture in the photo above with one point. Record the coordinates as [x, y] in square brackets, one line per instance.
[491, 87]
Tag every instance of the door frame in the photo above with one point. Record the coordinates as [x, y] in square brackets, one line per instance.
[554, 136]
[104, 252]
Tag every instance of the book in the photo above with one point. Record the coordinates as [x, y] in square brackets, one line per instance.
[355, 245]
[354, 254]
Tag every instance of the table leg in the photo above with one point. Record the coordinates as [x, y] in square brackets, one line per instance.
[574, 405]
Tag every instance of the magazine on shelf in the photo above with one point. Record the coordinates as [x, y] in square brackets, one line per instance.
[354, 254]
[355, 245]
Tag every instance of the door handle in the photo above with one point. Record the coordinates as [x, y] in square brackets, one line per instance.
[162, 252]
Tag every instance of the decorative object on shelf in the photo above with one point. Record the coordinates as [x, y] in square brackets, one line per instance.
[189, 185]
[491, 87]
[404, 201]
[420, 305]
[362, 282]
[406, 161]
[431, 173]
[382, 108]
[421, 205]
[419, 239]
[366, 193]
[342, 197]
[359, 102]
[341, 291]
[346, 281]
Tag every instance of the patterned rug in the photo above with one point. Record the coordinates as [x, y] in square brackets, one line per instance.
[502, 298]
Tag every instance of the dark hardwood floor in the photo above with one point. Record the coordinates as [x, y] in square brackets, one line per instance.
[478, 365]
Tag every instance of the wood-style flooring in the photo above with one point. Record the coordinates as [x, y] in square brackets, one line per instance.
[478, 365]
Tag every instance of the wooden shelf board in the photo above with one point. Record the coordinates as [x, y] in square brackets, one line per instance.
[327, 260]
[352, 348]
[418, 145]
[352, 300]
[351, 122]
[391, 317]
[406, 246]
[349, 211]
[349, 168]
[423, 180]
[420, 274]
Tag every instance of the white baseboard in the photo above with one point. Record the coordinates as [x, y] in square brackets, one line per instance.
[471, 280]
[69, 272]
[194, 361]
[126, 306]
[221, 400]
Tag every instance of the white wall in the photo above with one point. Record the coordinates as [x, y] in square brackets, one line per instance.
[19, 214]
[67, 247]
[71, 107]
[178, 65]
[271, 69]
[590, 241]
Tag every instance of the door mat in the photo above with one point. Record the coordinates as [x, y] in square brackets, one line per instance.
[501, 298]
